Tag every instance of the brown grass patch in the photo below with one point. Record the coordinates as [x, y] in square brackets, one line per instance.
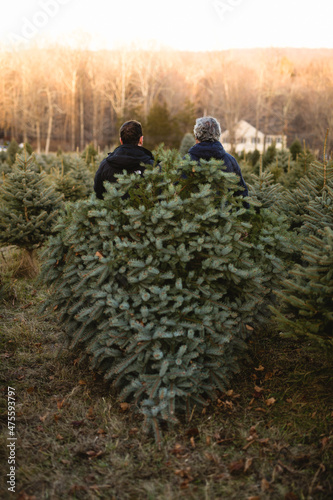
[269, 437]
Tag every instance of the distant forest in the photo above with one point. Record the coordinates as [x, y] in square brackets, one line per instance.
[63, 98]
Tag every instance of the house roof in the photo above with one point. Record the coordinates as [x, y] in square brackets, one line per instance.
[243, 128]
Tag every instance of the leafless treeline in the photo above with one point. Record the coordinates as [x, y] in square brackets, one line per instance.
[59, 97]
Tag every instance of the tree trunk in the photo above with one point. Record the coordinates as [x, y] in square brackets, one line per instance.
[73, 110]
[24, 108]
[38, 136]
[94, 120]
[50, 122]
[81, 119]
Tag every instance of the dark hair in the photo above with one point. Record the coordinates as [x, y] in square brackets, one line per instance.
[130, 132]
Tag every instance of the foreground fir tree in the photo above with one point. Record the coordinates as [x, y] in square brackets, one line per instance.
[77, 183]
[157, 286]
[272, 242]
[263, 188]
[307, 297]
[28, 208]
[294, 204]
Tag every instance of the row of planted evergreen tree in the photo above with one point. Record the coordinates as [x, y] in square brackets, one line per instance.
[161, 283]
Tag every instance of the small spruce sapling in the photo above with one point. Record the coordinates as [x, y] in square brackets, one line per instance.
[28, 209]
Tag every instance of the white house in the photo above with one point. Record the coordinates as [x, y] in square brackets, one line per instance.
[248, 138]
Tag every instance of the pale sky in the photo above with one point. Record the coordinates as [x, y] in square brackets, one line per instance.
[180, 24]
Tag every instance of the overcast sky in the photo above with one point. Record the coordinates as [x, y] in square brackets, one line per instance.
[180, 24]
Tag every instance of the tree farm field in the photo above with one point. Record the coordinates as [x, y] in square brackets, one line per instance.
[268, 437]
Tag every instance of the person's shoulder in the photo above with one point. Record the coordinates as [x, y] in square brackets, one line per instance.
[231, 158]
[194, 151]
[102, 165]
[194, 147]
[228, 155]
[147, 152]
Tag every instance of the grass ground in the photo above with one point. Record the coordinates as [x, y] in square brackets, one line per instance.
[269, 437]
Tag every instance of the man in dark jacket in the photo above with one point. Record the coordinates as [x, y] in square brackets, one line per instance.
[126, 158]
[207, 132]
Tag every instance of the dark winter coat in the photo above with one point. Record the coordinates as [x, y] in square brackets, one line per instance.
[206, 150]
[125, 158]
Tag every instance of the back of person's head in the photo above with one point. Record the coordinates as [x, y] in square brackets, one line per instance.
[130, 132]
[207, 128]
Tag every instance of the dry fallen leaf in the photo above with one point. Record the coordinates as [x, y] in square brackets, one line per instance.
[185, 474]
[94, 454]
[248, 444]
[60, 437]
[77, 423]
[301, 459]
[265, 485]
[270, 401]
[259, 369]
[82, 382]
[76, 488]
[192, 432]
[211, 457]
[291, 496]
[324, 441]
[258, 389]
[178, 450]
[60, 404]
[248, 463]
[24, 496]
[90, 415]
[6, 355]
[236, 467]
[263, 440]
[124, 406]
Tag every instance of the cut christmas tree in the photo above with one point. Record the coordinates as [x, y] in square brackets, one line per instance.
[158, 289]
